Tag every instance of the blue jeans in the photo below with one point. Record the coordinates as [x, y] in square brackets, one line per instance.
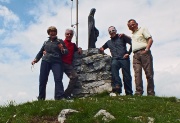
[116, 65]
[57, 69]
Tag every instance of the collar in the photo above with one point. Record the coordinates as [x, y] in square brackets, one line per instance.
[136, 30]
[116, 36]
[53, 38]
[67, 40]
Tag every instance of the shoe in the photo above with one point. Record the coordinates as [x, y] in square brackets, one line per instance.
[129, 94]
[113, 90]
[151, 94]
[69, 97]
[40, 99]
[117, 89]
[138, 94]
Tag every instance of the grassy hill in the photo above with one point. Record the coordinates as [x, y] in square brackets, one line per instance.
[126, 109]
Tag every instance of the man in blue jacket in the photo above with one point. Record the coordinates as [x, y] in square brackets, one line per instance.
[120, 59]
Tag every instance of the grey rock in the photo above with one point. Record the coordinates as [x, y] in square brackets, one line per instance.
[107, 117]
[77, 62]
[99, 65]
[88, 60]
[93, 51]
[94, 75]
[62, 115]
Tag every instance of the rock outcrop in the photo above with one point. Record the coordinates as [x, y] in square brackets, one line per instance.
[94, 72]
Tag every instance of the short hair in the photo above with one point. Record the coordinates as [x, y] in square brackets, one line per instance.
[113, 27]
[132, 20]
[52, 28]
[70, 29]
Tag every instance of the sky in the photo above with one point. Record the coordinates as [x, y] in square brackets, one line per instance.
[23, 29]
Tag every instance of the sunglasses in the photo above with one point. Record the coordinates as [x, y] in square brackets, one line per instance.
[111, 31]
[70, 34]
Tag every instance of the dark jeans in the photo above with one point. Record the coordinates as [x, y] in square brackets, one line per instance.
[72, 74]
[57, 70]
[116, 65]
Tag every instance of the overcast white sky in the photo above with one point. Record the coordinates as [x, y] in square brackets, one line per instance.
[23, 25]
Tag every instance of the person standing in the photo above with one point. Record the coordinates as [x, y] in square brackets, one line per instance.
[52, 60]
[120, 59]
[142, 58]
[67, 61]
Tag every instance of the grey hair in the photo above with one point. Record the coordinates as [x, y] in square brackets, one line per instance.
[70, 29]
[113, 27]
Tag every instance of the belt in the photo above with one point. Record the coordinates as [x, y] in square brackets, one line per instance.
[139, 50]
[119, 58]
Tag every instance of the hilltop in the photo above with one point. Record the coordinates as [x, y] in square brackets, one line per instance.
[125, 109]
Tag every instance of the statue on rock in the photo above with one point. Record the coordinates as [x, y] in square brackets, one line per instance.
[93, 32]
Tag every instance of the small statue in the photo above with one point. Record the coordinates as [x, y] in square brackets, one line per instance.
[93, 32]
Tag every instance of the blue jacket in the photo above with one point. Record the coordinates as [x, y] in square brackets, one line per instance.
[53, 53]
[117, 46]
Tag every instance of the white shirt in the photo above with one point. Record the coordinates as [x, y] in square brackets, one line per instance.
[140, 39]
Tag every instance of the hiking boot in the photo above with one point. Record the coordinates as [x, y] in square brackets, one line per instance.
[68, 97]
[39, 99]
[138, 94]
[129, 94]
[113, 90]
[150, 93]
[116, 88]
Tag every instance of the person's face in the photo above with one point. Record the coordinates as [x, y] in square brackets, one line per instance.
[69, 35]
[133, 26]
[112, 32]
[52, 33]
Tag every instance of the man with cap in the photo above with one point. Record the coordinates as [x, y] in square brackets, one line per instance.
[52, 60]
[120, 59]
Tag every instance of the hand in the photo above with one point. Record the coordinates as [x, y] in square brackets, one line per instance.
[61, 47]
[121, 35]
[34, 61]
[101, 50]
[126, 56]
[79, 50]
[44, 52]
[144, 51]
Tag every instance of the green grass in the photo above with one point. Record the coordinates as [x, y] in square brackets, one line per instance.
[123, 108]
